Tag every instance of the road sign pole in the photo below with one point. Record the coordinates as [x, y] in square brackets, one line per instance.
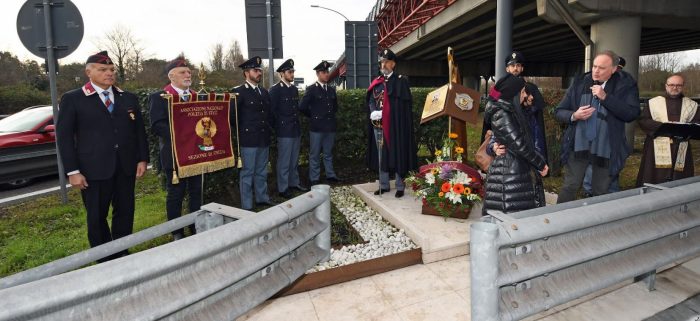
[271, 64]
[51, 64]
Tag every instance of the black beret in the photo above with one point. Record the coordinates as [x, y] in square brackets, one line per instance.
[323, 66]
[100, 58]
[515, 58]
[287, 65]
[622, 63]
[180, 61]
[387, 54]
[252, 63]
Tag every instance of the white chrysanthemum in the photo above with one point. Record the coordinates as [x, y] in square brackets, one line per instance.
[430, 178]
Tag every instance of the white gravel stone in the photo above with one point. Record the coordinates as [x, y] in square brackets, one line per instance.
[382, 238]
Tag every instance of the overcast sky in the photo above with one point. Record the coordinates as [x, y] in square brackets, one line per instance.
[166, 28]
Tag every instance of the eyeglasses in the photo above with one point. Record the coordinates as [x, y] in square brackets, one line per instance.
[675, 85]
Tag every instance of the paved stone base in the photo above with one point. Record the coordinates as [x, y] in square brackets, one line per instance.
[439, 238]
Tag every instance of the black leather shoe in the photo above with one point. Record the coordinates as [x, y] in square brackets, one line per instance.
[381, 191]
[333, 180]
[300, 188]
[270, 203]
[399, 194]
[286, 194]
[315, 183]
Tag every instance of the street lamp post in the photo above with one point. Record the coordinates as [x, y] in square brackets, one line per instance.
[329, 9]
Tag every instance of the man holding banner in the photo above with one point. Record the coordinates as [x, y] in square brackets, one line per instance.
[180, 77]
[254, 119]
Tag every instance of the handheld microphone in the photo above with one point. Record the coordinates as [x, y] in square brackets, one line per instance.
[595, 82]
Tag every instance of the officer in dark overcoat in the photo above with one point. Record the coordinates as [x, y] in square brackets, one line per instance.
[285, 108]
[320, 104]
[254, 121]
[390, 109]
[102, 142]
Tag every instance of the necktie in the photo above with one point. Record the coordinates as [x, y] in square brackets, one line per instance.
[108, 102]
[324, 88]
[185, 96]
[592, 122]
[257, 90]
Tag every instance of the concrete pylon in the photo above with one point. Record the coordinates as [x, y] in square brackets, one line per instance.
[623, 36]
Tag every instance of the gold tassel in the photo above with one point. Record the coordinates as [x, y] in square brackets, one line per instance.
[239, 164]
[175, 179]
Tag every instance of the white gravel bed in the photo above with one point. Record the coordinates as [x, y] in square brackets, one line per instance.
[382, 238]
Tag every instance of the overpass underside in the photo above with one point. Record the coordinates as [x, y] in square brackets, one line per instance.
[550, 46]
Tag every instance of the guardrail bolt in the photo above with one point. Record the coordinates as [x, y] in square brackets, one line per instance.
[289, 205]
[684, 208]
[545, 256]
[514, 227]
[545, 293]
[311, 195]
[546, 221]
[514, 304]
[514, 266]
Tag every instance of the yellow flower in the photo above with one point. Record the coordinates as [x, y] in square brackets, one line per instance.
[453, 135]
[435, 170]
[459, 150]
[438, 152]
[467, 191]
[441, 194]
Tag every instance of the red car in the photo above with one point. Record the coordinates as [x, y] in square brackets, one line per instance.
[27, 146]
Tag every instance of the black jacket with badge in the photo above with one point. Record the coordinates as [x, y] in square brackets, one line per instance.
[254, 116]
[285, 109]
[90, 138]
[320, 106]
[400, 155]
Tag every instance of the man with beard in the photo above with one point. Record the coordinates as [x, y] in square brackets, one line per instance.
[663, 158]
[285, 106]
[180, 77]
[103, 147]
[254, 125]
[390, 107]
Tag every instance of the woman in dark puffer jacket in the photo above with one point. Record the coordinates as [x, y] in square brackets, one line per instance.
[512, 181]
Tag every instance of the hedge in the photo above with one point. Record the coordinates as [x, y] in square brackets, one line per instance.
[18, 97]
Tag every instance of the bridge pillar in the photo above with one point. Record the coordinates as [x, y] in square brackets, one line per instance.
[504, 35]
[623, 36]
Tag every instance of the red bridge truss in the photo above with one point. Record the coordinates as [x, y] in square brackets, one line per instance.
[398, 18]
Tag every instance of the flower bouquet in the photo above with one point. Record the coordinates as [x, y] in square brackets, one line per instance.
[446, 187]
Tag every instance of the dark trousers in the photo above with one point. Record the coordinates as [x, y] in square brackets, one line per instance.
[176, 194]
[97, 197]
[575, 170]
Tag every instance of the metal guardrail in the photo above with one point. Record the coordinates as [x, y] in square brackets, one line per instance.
[216, 275]
[534, 260]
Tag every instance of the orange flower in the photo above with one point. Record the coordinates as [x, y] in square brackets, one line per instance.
[453, 135]
[467, 191]
[446, 187]
[459, 150]
[441, 194]
[458, 188]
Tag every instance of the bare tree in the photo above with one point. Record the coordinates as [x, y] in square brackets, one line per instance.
[234, 56]
[121, 46]
[216, 61]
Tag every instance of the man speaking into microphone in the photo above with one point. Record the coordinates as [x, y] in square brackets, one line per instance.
[596, 108]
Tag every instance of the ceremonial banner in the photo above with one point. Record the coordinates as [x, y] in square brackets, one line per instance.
[201, 133]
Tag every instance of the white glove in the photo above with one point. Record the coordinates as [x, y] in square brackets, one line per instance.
[375, 115]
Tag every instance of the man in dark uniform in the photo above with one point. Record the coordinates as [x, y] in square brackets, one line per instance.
[390, 104]
[180, 77]
[285, 105]
[254, 127]
[102, 140]
[320, 104]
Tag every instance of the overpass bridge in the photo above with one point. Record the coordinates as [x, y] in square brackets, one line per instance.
[482, 32]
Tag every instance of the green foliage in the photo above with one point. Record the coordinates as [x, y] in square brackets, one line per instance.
[17, 97]
[553, 129]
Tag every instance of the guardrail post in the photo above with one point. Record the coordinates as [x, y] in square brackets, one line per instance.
[484, 271]
[323, 213]
[649, 279]
[207, 221]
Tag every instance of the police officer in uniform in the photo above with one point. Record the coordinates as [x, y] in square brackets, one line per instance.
[320, 104]
[180, 77]
[285, 106]
[254, 129]
[102, 140]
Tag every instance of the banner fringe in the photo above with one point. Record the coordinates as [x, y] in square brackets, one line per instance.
[206, 167]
